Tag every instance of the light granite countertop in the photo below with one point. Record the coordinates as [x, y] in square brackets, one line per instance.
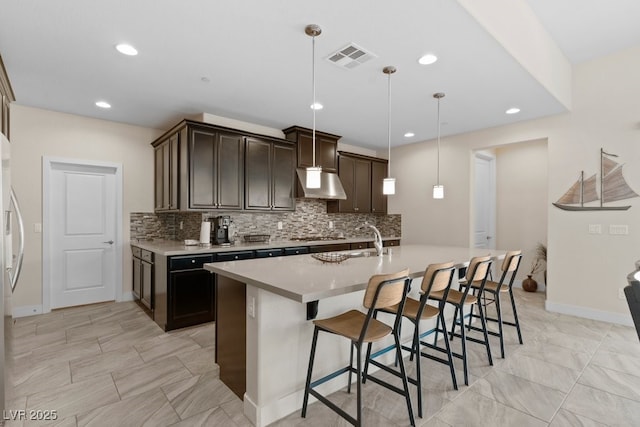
[303, 278]
[174, 247]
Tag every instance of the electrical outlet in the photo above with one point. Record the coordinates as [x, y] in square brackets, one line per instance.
[37, 227]
[279, 225]
[595, 229]
[621, 293]
[619, 230]
[251, 307]
[181, 225]
[330, 225]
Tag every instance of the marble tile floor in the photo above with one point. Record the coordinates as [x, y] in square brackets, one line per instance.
[569, 372]
[110, 365]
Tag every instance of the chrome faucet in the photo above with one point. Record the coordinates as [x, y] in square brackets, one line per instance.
[377, 242]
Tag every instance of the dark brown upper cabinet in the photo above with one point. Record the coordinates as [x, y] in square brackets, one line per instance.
[269, 175]
[216, 169]
[378, 174]
[199, 167]
[361, 178]
[166, 173]
[326, 148]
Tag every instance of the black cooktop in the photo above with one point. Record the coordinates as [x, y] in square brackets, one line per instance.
[316, 238]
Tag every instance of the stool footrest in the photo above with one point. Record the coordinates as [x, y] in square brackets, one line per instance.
[333, 406]
[384, 383]
[331, 376]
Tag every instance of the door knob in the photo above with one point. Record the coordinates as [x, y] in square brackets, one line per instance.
[109, 242]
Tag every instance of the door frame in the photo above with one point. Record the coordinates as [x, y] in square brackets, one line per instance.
[47, 169]
[491, 158]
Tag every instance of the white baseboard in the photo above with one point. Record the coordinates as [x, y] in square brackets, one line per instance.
[26, 310]
[127, 296]
[589, 313]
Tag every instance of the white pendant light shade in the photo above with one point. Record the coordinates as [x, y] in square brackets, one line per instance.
[313, 177]
[389, 186]
[438, 191]
[314, 172]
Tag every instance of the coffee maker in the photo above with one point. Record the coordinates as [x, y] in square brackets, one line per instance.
[221, 230]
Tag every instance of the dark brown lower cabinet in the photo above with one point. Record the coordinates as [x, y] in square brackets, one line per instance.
[191, 292]
[231, 349]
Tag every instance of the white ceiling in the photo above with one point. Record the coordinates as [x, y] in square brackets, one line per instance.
[60, 55]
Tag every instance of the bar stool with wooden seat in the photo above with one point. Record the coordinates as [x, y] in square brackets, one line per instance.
[362, 328]
[509, 269]
[436, 278]
[477, 271]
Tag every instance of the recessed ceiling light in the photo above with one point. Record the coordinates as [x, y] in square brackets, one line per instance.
[205, 79]
[316, 106]
[409, 134]
[127, 49]
[513, 110]
[427, 59]
[103, 104]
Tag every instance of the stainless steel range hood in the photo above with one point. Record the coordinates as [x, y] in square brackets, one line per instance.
[330, 186]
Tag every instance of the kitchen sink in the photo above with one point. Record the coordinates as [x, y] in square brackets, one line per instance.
[371, 252]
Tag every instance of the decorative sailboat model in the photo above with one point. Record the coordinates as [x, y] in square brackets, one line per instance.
[613, 187]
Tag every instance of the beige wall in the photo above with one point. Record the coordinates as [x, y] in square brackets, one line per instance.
[585, 271]
[36, 133]
[521, 208]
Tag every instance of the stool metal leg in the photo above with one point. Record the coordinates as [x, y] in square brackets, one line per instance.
[309, 372]
[515, 315]
[351, 366]
[449, 354]
[500, 328]
[359, 385]
[403, 376]
[484, 331]
[416, 351]
[463, 339]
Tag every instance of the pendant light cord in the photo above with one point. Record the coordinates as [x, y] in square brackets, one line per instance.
[438, 161]
[389, 124]
[313, 91]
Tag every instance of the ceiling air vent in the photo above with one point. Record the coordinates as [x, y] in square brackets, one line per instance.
[350, 56]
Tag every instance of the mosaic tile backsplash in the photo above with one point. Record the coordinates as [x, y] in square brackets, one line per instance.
[309, 219]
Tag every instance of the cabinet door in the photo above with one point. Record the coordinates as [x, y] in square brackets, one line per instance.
[146, 296]
[378, 200]
[202, 155]
[346, 168]
[173, 172]
[137, 278]
[284, 157]
[166, 174]
[362, 172]
[326, 152]
[258, 174]
[230, 169]
[159, 178]
[191, 298]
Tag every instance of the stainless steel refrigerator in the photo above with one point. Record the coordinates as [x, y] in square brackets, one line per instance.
[10, 260]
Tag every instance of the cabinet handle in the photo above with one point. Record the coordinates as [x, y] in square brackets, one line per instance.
[193, 261]
[236, 257]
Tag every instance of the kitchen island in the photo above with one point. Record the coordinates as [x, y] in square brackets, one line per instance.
[263, 337]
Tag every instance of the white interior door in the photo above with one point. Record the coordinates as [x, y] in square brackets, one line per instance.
[82, 233]
[485, 201]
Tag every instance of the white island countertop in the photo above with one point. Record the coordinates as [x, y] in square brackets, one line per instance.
[303, 278]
